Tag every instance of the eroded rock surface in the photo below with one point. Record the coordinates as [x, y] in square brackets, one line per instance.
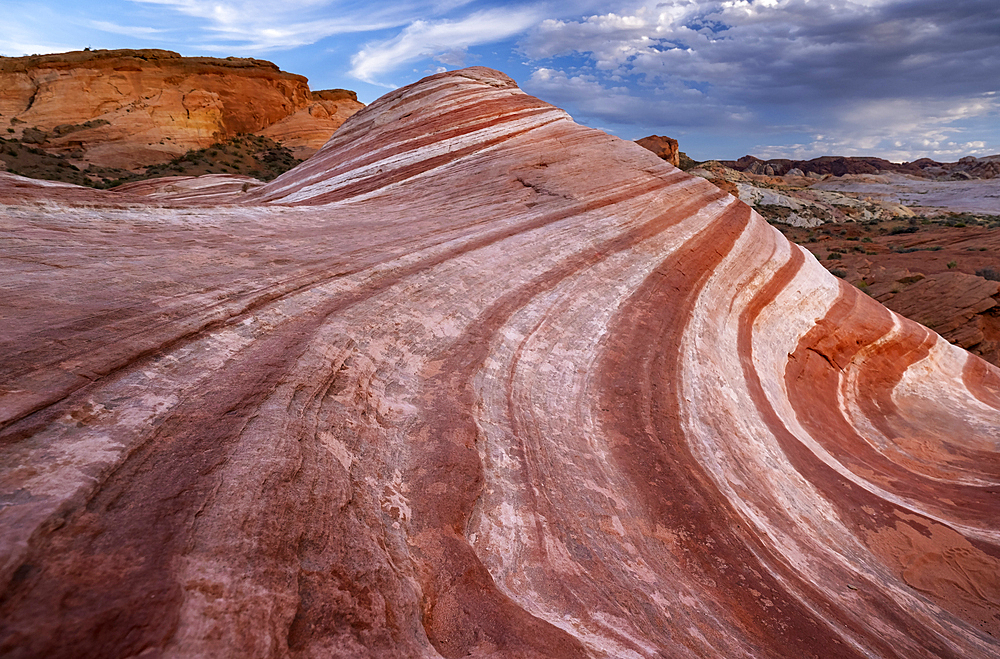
[444, 390]
[126, 108]
[665, 148]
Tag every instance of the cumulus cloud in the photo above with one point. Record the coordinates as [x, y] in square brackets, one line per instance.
[898, 129]
[433, 39]
[896, 77]
[899, 71]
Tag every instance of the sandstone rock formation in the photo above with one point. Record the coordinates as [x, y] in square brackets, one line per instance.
[665, 148]
[442, 391]
[125, 108]
[306, 130]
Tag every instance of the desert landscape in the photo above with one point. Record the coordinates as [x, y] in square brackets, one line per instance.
[443, 389]
[923, 242]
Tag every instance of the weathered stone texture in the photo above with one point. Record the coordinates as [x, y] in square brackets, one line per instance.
[125, 108]
[447, 390]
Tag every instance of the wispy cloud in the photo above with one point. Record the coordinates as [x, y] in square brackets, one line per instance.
[260, 26]
[127, 30]
[886, 77]
[434, 39]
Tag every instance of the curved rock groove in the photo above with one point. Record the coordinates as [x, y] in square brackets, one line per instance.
[474, 381]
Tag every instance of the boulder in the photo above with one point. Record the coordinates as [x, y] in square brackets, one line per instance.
[664, 147]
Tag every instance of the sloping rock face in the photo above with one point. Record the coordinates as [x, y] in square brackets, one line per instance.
[305, 131]
[443, 391]
[125, 108]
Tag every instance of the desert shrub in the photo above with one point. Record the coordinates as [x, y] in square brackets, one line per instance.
[952, 265]
[839, 272]
[895, 231]
[989, 273]
[866, 239]
[832, 256]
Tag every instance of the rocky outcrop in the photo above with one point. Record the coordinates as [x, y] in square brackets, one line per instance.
[967, 168]
[442, 391]
[956, 305]
[306, 130]
[665, 148]
[125, 108]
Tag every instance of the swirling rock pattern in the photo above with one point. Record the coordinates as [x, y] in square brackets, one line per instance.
[450, 388]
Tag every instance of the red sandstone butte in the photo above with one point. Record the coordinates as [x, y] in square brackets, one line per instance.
[128, 108]
[444, 390]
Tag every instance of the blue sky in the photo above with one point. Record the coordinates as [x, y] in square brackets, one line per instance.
[900, 79]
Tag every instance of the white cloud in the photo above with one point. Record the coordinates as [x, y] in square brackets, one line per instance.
[655, 109]
[127, 30]
[866, 73]
[262, 25]
[428, 39]
[898, 130]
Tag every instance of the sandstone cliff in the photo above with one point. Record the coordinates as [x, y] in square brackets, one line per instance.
[444, 391]
[125, 108]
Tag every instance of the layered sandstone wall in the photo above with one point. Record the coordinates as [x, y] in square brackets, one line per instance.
[137, 107]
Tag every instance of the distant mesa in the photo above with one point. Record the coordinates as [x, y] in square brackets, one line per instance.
[133, 108]
[967, 168]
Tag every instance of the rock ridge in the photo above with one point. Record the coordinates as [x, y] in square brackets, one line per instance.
[442, 390]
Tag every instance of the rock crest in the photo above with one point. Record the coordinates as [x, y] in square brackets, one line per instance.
[443, 390]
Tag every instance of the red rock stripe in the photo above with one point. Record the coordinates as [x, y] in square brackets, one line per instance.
[640, 390]
[399, 174]
[401, 141]
[982, 379]
[798, 454]
[877, 381]
[165, 477]
[881, 372]
[462, 602]
[812, 381]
